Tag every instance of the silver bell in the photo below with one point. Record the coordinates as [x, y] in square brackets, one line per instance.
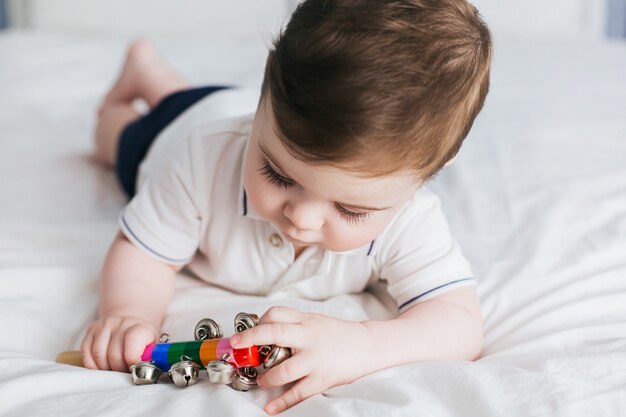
[264, 351]
[277, 355]
[145, 373]
[208, 329]
[245, 321]
[244, 379]
[221, 372]
[184, 373]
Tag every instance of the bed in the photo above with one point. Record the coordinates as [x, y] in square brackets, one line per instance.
[537, 199]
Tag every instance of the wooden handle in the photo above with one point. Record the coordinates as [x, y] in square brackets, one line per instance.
[71, 357]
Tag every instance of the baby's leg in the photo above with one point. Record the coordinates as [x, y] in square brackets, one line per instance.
[113, 117]
[146, 75]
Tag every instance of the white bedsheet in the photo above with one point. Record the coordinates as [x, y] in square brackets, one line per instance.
[537, 199]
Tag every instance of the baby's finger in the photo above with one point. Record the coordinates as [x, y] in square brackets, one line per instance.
[291, 370]
[299, 392]
[85, 349]
[100, 347]
[280, 314]
[135, 342]
[115, 354]
[281, 334]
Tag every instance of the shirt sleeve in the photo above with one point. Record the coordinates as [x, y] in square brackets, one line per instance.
[163, 218]
[418, 257]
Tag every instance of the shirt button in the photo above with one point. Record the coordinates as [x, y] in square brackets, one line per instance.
[276, 240]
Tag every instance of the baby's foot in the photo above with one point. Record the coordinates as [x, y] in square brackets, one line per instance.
[146, 75]
[142, 63]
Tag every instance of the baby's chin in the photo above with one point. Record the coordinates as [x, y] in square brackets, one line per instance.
[332, 246]
[343, 246]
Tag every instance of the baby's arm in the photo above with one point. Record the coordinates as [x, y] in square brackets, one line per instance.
[447, 327]
[135, 292]
[330, 352]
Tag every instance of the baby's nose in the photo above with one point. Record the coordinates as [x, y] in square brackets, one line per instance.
[305, 215]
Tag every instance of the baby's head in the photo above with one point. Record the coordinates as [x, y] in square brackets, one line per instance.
[362, 101]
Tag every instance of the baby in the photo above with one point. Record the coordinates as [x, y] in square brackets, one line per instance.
[319, 192]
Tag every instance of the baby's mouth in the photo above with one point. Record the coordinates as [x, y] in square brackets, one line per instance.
[293, 239]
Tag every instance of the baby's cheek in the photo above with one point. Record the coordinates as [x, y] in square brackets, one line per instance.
[264, 201]
[348, 237]
[342, 236]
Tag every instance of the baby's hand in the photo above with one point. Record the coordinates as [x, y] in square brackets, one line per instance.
[326, 352]
[115, 343]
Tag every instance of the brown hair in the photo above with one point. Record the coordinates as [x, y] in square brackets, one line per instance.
[378, 86]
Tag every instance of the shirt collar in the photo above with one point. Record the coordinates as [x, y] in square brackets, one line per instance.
[245, 209]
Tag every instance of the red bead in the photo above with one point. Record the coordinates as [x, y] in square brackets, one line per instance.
[247, 356]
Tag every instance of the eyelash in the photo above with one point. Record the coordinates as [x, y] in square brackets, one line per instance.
[274, 177]
[279, 181]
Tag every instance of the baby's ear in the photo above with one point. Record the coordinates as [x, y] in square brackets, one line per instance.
[450, 162]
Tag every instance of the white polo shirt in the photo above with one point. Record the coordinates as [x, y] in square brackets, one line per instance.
[191, 208]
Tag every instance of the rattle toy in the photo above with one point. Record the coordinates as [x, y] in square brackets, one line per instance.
[210, 350]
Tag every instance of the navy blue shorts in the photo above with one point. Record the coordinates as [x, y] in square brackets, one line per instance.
[136, 138]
